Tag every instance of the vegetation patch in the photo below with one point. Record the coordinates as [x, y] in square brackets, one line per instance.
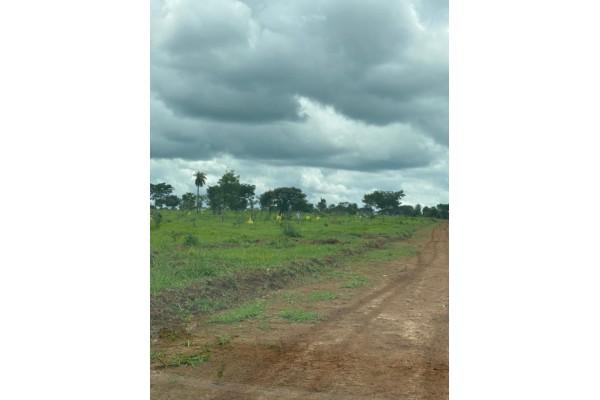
[289, 230]
[322, 295]
[235, 264]
[242, 313]
[299, 315]
[355, 282]
[197, 355]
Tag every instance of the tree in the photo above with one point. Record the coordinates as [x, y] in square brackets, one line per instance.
[199, 182]
[386, 202]
[159, 192]
[443, 210]
[285, 199]
[214, 195]
[431, 212]
[345, 207]
[407, 210]
[189, 201]
[230, 194]
[418, 210]
[172, 201]
[439, 211]
[322, 205]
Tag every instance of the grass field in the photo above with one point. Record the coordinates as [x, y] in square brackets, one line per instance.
[203, 263]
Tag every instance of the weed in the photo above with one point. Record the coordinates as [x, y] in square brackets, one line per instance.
[201, 355]
[323, 295]
[264, 326]
[224, 340]
[355, 282]
[299, 316]
[157, 357]
[175, 235]
[289, 230]
[291, 297]
[156, 217]
[191, 240]
[188, 359]
[220, 371]
[241, 313]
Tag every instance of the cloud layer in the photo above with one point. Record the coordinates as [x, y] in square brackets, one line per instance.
[357, 86]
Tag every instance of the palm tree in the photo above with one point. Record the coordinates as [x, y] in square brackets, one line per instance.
[200, 181]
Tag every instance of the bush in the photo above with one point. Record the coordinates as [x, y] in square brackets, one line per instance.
[288, 229]
[156, 218]
[191, 240]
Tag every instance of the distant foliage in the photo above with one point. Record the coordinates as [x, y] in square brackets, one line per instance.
[159, 193]
[386, 202]
[285, 199]
[230, 194]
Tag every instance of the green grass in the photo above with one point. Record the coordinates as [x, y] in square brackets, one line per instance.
[200, 355]
[242, 313]
[188, 359]
[322, 295]
[191, 247]
[299, 315]
[355, 282]
[202, 264]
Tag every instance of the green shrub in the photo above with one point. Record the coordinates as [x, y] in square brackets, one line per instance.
[288, 229]
[191, 240]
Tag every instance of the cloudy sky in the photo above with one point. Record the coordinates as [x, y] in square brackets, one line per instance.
[336, 97]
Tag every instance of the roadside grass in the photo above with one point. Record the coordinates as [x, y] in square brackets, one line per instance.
[241, 313]
[199, 354]
[322, 295]
[202, 264]
[295, 315]
[355, 281]
[189, 247]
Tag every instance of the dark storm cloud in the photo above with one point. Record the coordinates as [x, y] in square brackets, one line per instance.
[326, 139]
[288, 90]
[236, 61]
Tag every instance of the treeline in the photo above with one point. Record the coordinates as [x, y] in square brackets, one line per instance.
[231, 194]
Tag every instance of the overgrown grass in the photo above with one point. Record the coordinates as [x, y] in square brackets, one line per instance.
[242, 313]
[299, 315]
[201, 264]
[190, 247]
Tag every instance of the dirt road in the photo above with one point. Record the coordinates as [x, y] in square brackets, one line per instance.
[388, 342]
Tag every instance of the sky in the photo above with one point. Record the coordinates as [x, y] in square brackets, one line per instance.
[337, 97]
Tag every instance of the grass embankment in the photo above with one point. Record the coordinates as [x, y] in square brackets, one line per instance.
[201, 263]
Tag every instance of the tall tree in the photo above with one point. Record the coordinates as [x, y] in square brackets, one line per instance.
[322, 205]
[386, 202]
[285, 199]
[172, 201]
[200, 181]
[418, 210]
[230, 194]
[443, 210]
[188, 201]
[158, 193]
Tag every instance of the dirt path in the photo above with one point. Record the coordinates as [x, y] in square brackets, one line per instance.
[390, 342]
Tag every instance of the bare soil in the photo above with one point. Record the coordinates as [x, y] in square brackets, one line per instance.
[387, 340]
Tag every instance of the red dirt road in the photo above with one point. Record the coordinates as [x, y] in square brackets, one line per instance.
[388, 342]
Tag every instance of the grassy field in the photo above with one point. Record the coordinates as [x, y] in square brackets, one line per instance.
[203, 263]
